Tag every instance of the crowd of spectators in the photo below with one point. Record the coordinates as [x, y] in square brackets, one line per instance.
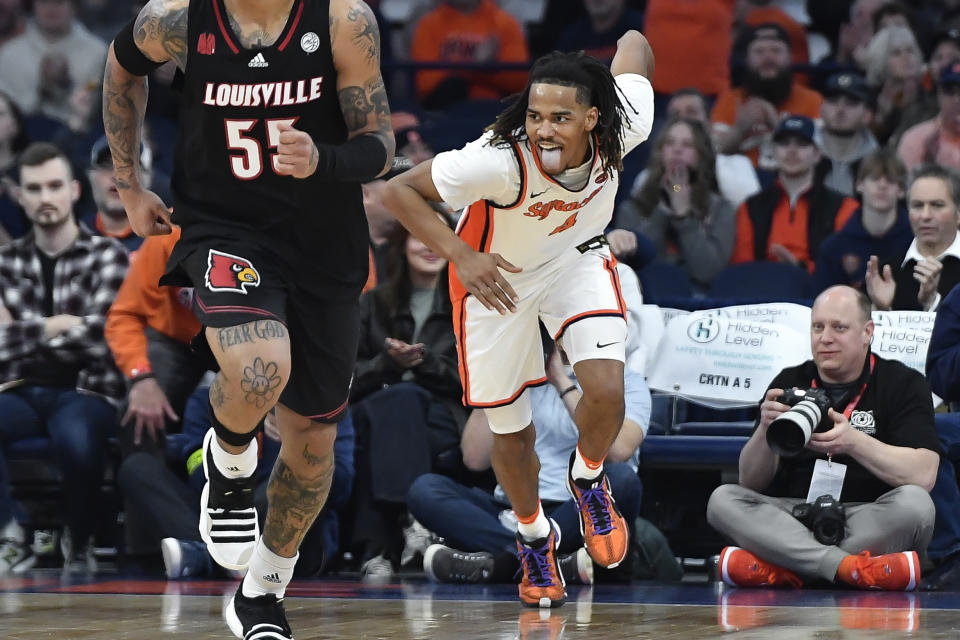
[824, 138]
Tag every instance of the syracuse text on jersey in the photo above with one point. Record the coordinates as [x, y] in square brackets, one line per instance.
[267, 94]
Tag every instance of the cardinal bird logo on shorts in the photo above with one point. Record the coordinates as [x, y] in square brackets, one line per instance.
[226, 272]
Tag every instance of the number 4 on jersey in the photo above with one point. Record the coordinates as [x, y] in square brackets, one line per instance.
[248, 164]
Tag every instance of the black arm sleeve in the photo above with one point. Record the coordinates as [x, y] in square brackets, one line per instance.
[357, 160]
[128, 53]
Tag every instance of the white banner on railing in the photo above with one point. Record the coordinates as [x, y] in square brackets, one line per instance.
[795, 316]
[720, 361]
[918, 320]
[909, 346]
[650, 319]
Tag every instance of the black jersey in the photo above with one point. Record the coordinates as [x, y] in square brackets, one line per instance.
[224, 181]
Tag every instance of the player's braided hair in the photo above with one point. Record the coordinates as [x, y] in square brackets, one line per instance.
[595, 87]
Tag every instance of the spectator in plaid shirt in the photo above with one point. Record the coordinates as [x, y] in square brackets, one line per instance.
[59, 379]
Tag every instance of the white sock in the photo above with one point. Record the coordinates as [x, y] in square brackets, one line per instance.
[268, 573]
[539, 528]
[235, 465]
[13, 531]
[580, 469]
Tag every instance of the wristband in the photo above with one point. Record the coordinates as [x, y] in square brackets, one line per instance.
[142, 376]
[572, 387]
[359, 159]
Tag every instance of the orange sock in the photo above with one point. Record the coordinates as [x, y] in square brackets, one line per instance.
[533, 527]
[591, 464]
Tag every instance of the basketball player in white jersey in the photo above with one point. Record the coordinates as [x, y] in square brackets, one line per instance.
[539, 190]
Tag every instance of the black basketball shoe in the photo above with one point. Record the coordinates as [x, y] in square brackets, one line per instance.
[260, 618]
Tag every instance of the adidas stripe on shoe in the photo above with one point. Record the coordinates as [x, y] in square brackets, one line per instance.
[228, 518]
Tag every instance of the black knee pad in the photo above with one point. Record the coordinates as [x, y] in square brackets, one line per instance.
[232, 438]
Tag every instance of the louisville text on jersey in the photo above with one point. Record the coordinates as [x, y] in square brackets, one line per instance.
[267, 94]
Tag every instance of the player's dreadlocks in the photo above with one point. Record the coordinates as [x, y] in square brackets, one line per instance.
[595, 87]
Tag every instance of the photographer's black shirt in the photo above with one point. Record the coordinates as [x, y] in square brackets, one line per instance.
[895, 408]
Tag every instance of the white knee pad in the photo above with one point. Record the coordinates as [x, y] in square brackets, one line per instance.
[513, 417]
[595, 338]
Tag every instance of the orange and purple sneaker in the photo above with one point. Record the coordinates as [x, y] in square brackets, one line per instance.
[603, 528]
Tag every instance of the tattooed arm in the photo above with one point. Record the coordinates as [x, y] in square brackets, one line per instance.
[160, 33]
[355, 40]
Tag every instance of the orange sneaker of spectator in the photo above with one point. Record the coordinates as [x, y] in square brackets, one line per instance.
[740, 568]
[890, 572]
[542, 584]
[604, 530]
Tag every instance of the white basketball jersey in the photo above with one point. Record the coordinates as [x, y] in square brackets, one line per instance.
[547, 219]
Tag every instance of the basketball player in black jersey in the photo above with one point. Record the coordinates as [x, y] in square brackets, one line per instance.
[283, 114]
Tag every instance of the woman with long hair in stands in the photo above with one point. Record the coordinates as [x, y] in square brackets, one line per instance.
[678, 207]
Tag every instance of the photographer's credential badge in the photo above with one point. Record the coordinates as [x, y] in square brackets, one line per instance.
[827, 479]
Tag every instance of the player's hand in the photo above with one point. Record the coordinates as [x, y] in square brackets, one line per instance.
[148, 408]
[771, 408]
[927, 273]
[5, 316]
[405, 355]
[297, 154]
[880, 287]
[623, 243]
[146, 212]
[480, 275]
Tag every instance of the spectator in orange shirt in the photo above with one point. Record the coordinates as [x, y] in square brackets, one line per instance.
[743, 118]
[148, 330]
[468, 31]
[756, 12]
[789, 220]
[692, 40]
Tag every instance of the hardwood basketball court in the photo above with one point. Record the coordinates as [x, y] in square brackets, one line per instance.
[45, 604]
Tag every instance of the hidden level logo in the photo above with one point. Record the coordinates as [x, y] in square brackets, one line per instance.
[703, 330]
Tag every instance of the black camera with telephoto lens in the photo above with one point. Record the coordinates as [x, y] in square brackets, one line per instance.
[790, 432]
[825, 517]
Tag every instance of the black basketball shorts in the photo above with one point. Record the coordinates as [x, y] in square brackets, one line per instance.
[236, 282]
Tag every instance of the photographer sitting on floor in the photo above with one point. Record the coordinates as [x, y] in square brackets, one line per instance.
[870, 443]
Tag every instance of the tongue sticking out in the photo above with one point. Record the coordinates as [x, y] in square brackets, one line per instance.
[550, 159]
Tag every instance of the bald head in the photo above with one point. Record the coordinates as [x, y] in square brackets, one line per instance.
[842, 292]
[840, 333]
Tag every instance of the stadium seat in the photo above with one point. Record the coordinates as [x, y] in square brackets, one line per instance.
[761, 282]
[691, 452]
[660, 280]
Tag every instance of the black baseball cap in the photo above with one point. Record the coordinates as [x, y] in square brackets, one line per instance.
[767, 31]
[799, 126]
[852, 85]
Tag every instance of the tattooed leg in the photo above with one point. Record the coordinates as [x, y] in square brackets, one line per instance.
[300, 481]
[254, 363]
